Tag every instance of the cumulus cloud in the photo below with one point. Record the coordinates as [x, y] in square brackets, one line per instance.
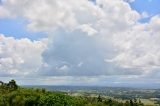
[68, 50]
[130, 1]
[19, 57]
[85, 38]
[139, 47]
[77, 54]
[145, 15]
[48, 15]
[3, 12]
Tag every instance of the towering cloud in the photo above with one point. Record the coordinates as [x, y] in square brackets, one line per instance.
[86, 38]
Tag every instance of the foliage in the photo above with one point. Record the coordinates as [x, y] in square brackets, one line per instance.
[12, 95]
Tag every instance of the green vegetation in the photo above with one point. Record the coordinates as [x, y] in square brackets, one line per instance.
[12, 95]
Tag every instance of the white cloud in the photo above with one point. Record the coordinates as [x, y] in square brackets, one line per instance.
[138, 48]
[130, 1]
[145, 15]
[154, 24]
[103, 19]
[3, 12]
[48, 15]
[88, 29]
[121, 45]
[64, 67]
[19, 57]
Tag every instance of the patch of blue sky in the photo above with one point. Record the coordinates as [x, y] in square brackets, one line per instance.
[152, 7]
[17, 28]
[94, 1]
[144, 20]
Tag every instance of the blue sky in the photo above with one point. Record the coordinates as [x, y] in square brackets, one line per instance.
[150, 6]
[80, 42]
[17, 29]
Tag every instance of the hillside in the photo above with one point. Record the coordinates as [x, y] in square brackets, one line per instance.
[13, 95]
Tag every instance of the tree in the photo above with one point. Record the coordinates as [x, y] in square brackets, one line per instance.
[12, 84]
[127, 103]
[131, 103]
[99, 99]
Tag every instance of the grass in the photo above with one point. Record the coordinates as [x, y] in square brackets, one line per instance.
[148, 102]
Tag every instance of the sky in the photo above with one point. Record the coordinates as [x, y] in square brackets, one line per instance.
[80, 42]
